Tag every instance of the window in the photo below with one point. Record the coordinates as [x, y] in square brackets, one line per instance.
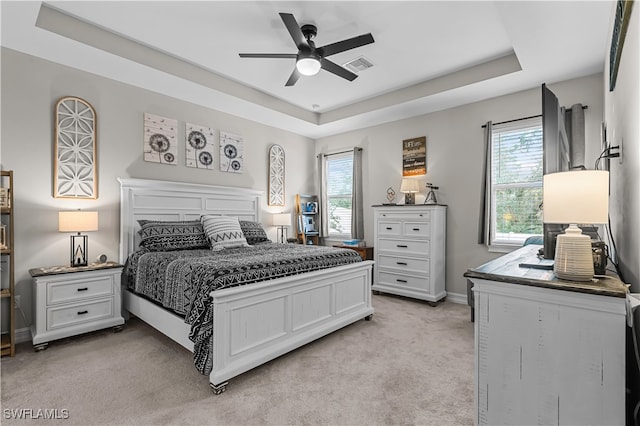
[516, 182]
[339, 169]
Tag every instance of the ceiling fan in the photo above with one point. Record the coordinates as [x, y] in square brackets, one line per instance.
[310, 59]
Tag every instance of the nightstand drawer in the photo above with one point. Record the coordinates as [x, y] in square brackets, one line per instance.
[65, 316]
[79, 289]
[404, 246]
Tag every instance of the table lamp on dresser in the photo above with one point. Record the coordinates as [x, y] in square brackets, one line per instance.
[575, 197]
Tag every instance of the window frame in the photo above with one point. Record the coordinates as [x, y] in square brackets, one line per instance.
[327, 159]
[505, 242]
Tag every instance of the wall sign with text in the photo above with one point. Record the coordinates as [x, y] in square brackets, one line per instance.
[414, 156]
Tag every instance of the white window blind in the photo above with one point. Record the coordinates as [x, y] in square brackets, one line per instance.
[339, 189]
[516, 181]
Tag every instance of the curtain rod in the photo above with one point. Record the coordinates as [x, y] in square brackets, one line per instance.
[523, 118]
[341, 152]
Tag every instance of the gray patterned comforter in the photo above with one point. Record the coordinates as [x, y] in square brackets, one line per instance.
[182, 280]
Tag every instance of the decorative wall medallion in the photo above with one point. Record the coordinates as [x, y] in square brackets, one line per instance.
[276, 176]
[75, 168]
[231, 153]
[160, 139]
[199, 146]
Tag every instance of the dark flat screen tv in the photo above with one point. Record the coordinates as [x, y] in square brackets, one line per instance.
[556, 156]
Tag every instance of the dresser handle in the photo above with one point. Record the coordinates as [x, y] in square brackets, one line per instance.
[83, 289]
[389, 229]
[401, 281]
[83, 312]
[401, 246]
[416, 229]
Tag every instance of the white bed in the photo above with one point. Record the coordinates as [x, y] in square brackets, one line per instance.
[254, 323]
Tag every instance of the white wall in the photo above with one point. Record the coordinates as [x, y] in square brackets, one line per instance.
[30, 89]
[622, 112]
[454, 160]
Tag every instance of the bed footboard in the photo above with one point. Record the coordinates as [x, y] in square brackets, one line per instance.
[255, 324]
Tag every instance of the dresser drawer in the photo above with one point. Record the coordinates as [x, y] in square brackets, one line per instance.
[416, 229]
[420, 248]
[79, 289]
[404, 281]
[64, 316]
[387, 228]
[403, 263]
[408, 215]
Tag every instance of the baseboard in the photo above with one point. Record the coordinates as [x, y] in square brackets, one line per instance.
[23, 335]
[457, 298]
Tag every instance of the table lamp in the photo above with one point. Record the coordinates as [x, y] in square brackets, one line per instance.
[282, 221]
[410, 187]
[78, 221]
[575, 197]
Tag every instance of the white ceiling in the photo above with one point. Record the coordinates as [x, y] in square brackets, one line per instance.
[427, 55]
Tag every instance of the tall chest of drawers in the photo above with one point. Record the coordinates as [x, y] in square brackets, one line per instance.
[410, 250]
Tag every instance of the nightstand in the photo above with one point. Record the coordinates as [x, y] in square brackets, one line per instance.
[69, 301]
[365, 252]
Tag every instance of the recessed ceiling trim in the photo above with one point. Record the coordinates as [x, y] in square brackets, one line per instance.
[61, 23]
[491, 69]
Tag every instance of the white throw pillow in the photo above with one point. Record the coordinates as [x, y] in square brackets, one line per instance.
[223, 232]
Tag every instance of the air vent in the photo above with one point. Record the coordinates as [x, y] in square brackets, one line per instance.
[358, 64]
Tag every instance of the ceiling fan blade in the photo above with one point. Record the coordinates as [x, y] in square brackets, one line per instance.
[268, 55]
[351, 43]
[336, 69]
[295, 75]
[294, 29]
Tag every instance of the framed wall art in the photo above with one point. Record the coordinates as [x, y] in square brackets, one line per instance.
[276, 175]
[160, 139]
[199, 146]
[620, 25]
[414, 156]
[75, 172]
[231, 153]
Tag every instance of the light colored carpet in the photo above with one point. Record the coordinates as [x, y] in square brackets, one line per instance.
[411, 364]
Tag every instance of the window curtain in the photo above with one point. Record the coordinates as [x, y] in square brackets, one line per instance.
[485, 190]
[574, 126]
[357, 213]
[323, 226]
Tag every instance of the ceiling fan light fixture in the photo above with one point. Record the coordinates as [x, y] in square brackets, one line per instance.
[308, 66]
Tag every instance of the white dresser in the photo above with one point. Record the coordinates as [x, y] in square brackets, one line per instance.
[410, 250]
[547, 351]
[70, 301]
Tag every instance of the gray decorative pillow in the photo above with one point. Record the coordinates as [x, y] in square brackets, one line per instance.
[253, 232]
[223, 232]
[172, 235]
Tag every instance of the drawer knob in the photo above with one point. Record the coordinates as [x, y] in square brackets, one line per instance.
[401, 281]
[401, 245]
[416, 229]
[83, 289]
[389, 228]
[401, 263]
[83, 312]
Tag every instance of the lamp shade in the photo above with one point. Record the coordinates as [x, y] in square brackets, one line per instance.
[282, 219]
[409, 186]
[580, 197]
[77, 221]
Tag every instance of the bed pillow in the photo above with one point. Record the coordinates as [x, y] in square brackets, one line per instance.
[223, 232]
[253, 232]
[172, 235]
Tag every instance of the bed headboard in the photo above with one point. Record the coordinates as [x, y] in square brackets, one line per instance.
[164, 200]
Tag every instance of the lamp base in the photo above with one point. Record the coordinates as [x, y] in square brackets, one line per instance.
[78, 250]
[574, 258]
[409, 198]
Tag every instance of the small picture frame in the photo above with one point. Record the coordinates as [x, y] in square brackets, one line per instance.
[312, 207]
[4, 198]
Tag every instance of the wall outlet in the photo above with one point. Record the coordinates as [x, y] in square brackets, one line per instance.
[16, 301]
